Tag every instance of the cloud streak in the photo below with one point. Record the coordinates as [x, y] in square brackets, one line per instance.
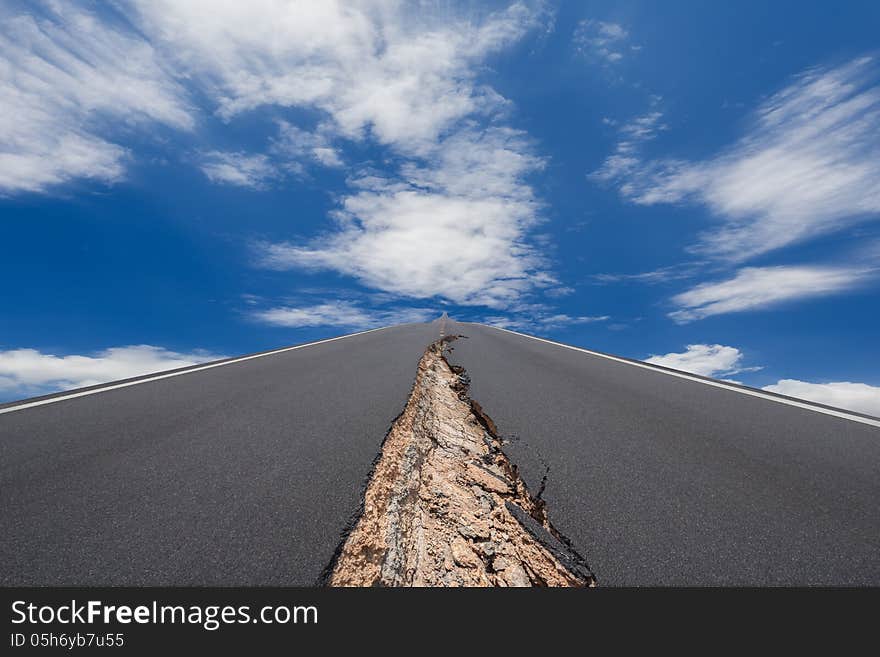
[340, 314]
[239, 169]
[760, 287]
[808, 165]
[543, 321]
[67, 83]
[654, 277]
[604, 41]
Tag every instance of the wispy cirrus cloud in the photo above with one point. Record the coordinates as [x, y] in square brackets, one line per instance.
[653, 277]
[601, 40]
[626, 160]
[69, 85]
[240, 169]
[28, 372]
[543, 321]
[347, 314]
[760, 287]
[808, 165]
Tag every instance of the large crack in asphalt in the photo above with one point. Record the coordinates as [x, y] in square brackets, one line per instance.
[444, 506]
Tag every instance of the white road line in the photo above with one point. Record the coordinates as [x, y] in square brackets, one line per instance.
[157, 377]
[717, 384]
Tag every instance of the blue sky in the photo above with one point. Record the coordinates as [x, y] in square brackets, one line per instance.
[696, 183]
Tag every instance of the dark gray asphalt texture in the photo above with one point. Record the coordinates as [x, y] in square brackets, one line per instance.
[244, 474]
[660, 480]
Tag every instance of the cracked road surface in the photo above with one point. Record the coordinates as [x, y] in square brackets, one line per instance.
[445, 507]
[667, 481]
[244, 474]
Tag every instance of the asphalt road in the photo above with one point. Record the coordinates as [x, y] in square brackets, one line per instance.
[247, 473]
[661, 480]
[243, 474]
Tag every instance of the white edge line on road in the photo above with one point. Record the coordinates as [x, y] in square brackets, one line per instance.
[717, 384]
[157, 377]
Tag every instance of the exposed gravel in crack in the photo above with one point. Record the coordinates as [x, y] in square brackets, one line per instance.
[445, 506]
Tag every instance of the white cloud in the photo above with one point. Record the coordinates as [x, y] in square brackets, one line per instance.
[299, 144]
[397, 76]
[661, 275]
[379, 72]
[842, 394]
[453, 224]
[713, 360]
[644, 127]
[240, 169]
[626, 157]
[720, 361]
[404, 73]
[379, 68]
[601, 40]
[759, 287]
[289, 151]
[341, 313]
[808, 165]
[543, 321]
[67, 82]
[29, 371]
